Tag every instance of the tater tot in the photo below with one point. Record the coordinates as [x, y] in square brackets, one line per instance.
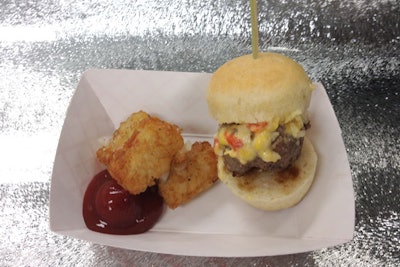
[141, 151]
[192, 172]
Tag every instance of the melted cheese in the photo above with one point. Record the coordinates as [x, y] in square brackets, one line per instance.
[258, 143]
[295, 127]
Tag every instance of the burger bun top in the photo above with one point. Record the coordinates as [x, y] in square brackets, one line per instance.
[248, 90]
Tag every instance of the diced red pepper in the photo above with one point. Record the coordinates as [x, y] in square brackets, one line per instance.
[233, 141]
[257, 127]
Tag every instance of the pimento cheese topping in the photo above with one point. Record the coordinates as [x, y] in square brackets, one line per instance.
[247, 141]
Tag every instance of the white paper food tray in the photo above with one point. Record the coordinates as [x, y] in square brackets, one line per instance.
[216, 223]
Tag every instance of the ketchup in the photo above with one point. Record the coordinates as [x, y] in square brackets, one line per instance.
[110, 209]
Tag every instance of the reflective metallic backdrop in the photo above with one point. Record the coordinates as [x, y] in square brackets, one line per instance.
[351, 46]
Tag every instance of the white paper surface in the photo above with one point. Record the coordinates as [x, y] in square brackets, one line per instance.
[216, 223]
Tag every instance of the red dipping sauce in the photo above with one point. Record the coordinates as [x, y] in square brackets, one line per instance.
[110, 209]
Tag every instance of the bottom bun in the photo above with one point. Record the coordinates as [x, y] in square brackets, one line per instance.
[274, 190]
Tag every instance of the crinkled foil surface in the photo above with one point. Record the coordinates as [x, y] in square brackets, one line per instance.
[351, 46]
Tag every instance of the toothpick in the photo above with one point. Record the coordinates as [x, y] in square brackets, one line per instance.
[254, 27]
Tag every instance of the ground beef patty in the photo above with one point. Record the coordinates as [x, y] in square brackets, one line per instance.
[288, 147]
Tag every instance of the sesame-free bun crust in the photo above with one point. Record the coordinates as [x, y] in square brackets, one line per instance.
[248, 90]
[274, 190]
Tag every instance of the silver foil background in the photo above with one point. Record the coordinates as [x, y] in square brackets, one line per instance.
[351, 46]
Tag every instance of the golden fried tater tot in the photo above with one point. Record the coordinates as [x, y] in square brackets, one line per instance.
[120, 136]
[141, 151]
[192, 172]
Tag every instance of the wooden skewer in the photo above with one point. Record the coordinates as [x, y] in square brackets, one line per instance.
[254, 27]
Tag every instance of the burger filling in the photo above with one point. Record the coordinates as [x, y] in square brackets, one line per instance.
[269, 146]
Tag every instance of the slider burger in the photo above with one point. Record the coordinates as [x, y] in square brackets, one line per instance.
[264, 156]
